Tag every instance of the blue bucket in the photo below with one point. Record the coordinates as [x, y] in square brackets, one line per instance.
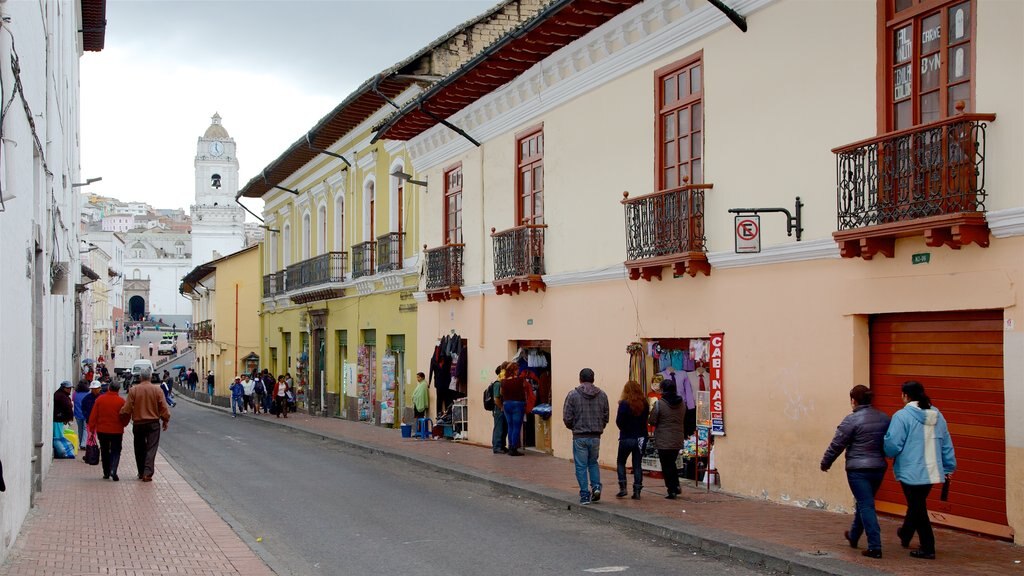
[406, 430]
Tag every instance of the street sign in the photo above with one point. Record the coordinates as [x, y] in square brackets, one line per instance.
[748, 234]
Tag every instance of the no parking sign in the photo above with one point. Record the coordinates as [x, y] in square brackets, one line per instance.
[748, 234]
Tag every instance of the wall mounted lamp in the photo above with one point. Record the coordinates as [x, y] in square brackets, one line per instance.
[269, 229]
[408, 178]
[87, 182]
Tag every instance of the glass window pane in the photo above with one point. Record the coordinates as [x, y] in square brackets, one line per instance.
[669, 124]
[930, 107]
[526, 185]
[697, 112]
[902, 82]
[695, 80]
[903, 47]
[538, 205]
[684, 175]
[904, 114]
[684, 149]
[524, 149]
[670, 178]
[540, 144]
[670, 154]
[958, 93]
[684, 121]
[930, 32]
[538, 177]
[959, 63]
[668, 90]
[959, 22]
[533, 147]
[930, 72]
[697, 143]
[526, 200]
[684, 85]
[903, 4]
[698, 172]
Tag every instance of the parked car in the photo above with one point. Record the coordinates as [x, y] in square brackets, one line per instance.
[166, 346]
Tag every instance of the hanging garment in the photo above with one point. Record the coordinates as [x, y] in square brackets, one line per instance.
[677, 360]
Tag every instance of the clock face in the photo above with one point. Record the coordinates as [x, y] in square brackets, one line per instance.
[216, 148]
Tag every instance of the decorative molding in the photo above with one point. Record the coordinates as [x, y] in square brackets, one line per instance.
[336, 181]
[390, 282]
[1006, 223]
[614, 272]
[820, 249]
[390, 146]
[625, 43]
[369, 161]
[364, 287]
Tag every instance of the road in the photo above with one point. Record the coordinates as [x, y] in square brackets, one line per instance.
[321, 509]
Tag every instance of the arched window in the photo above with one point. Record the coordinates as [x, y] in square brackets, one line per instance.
[273, 264]
[321, 229]
[286, 245]
[396, 199]
[369, 198]
[339, 221]
[136, 274]
[306, 231]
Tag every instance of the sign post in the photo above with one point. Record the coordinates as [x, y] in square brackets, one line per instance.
[748, 234]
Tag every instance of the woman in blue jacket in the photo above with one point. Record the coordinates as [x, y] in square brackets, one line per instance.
[918, 440]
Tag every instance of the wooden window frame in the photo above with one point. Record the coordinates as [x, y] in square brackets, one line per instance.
[532, 162]
[451, 191]
[888, 21]
[661, 109]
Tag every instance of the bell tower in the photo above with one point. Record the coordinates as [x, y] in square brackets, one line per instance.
[218, 223]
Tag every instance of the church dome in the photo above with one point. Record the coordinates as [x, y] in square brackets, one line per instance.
[216, 130]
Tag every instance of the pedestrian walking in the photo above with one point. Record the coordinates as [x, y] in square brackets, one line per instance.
[668, 418]
[861, 435]
[150, 349]
[918, 442]
[586, 413]
[209, 384]
[63, 405]
[146, 408]
[281, 396]
[513, 398]
[237, 397]
[259, 394]
[105, 421]
[95, 389]
[268, 384]
[192, 378]
[248, 390]
[499, 433]
[81, 391]
[165, 387]
[631, 420]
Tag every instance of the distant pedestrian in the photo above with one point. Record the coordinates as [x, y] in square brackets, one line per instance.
[95, 389]
[63, 405]
[105, 420]
[513, 401]
[918, 442]
[150, 349]
[861, 435]
[248, 391]
[167, 389]
[81, 391]
[586, 414]
[667, 417]
[237, 397]
[259, 391]
[146, 409]
[499, 434]
[631, 420]
[210, 384]
[420, 397]
[192, 379]
[281, 390]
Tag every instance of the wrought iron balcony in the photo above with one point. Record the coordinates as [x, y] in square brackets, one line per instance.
[362, 259]
[519, 259]
[203, 330]
[927, 180]
[323, 269]
[389, 251]
[666, 229]
[444, 272]
[274, 284]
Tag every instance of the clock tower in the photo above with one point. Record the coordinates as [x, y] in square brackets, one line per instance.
[218, 223]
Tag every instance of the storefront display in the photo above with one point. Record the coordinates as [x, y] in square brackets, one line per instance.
[387, 382]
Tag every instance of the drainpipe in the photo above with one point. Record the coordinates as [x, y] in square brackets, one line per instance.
[236, 327]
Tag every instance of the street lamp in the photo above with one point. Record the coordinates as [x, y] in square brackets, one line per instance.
[87, 182]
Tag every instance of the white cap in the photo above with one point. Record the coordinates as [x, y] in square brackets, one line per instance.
[95, 384]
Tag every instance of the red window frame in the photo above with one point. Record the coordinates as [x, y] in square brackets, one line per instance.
[679, 114]
[530, 176]
[453, 204]
[926, 60]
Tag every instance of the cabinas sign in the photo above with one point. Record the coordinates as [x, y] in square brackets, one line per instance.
[717, 384]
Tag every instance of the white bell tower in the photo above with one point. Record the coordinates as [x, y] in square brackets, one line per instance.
[218, 223]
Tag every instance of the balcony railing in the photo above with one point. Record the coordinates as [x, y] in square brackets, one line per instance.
[362, 259]
[927, 179]
[519, 259]
[389, 251]
[323, 269]
[274, 284]
[666, 229]
[203, 330]
[444, 272]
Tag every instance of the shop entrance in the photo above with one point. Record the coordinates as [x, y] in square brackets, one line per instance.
[958, 356]
[534, 359]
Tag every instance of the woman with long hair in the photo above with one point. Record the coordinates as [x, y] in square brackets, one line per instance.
[918, 441]
[631, 420]
[513, 398]
[860, 434]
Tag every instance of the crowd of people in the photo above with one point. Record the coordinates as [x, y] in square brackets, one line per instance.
[260, 393]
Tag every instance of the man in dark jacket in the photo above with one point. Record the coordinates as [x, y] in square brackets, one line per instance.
[63, 406]
[586, 414]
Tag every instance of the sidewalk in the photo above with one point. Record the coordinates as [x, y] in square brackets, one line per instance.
[788, 539]
[85, 525]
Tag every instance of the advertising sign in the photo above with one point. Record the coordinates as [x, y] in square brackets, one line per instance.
[717, 384]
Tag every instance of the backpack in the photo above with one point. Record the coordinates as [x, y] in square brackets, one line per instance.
[489, 397]
[260, 387]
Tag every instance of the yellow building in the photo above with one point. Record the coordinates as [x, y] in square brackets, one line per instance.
[225, 296]
[836, 191]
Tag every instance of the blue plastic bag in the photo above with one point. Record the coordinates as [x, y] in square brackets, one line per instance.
[62, 447]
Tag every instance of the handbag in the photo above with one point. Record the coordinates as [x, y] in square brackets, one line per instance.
[92, 450]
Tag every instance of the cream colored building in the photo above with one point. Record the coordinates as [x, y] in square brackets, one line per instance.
[903, 266]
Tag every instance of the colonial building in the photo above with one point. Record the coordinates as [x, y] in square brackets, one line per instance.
[829, 196]
[217, 221]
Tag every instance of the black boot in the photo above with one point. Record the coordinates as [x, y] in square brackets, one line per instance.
[636, 492]
[622, 490]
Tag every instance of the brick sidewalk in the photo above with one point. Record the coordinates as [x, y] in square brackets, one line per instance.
[84, 525]
[786, 538]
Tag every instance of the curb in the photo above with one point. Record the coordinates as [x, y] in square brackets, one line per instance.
[713, 542]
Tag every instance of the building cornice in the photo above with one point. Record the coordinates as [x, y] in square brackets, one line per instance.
[1006, 223]
[823, 248]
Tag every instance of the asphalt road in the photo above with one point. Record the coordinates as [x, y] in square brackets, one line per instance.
[321, 509]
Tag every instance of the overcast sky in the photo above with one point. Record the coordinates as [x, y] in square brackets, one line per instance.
[270, 68]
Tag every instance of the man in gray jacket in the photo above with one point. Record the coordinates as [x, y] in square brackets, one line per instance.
[586, 414]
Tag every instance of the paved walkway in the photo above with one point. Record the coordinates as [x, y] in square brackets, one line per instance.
[185, 536]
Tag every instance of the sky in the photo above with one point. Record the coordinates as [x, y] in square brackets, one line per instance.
[270, 68]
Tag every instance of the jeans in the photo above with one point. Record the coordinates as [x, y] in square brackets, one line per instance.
[514, 411]
[864, 484]
[81, 432]
[917, 519]
[110, 451]
[237, 402]
[500, 432]
[669, 469]
[584, 456]
[630, 447]
[147, 439]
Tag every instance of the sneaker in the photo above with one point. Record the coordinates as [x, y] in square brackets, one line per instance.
[584, 501]
[595, 495]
